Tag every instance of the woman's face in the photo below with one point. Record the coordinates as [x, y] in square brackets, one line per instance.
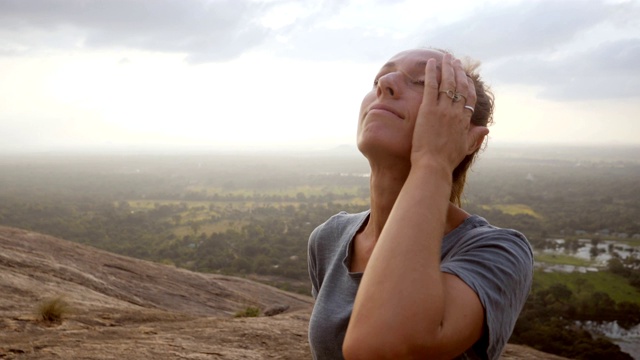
[388, 112]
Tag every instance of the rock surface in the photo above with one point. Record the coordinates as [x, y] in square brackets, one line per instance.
[124, 308]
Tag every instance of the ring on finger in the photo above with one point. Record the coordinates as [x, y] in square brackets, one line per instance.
[458, 96]
[450, 93]
[469, 108]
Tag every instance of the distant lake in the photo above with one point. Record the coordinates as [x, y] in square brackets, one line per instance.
[606, 249]
[628, 340]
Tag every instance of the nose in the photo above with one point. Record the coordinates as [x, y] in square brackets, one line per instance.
[389, 84]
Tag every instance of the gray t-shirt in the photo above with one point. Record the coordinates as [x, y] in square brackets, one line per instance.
[496, 263]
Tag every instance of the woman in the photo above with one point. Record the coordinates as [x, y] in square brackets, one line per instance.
[417, 277]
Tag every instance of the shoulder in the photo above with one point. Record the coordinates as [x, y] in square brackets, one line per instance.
[329, 241]
[336, 226]
[477, 234]
[328, 245]
[481, 253]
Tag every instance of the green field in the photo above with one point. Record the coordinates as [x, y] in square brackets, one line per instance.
[561, 259]
[293, 191]
[513, 209]
[615, 286]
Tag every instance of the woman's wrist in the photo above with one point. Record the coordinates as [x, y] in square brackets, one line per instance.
[433, 168]
[431, 178]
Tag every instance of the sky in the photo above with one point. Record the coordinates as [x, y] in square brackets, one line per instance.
[284, 74]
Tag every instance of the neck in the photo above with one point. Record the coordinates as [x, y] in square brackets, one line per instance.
[385, 185]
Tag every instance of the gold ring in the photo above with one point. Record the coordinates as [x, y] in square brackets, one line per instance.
[457, 97]
[450, 93]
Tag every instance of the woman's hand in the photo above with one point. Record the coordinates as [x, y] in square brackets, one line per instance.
[443, 133]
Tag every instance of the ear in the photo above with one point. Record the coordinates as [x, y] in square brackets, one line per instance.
[481, 133]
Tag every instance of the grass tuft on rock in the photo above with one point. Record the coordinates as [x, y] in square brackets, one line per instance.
[53, 310]
[250, 311]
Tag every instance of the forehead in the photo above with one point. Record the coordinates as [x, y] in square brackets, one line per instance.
[414, 58]
[418, 55]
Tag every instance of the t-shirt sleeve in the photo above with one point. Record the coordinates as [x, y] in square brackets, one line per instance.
[312, 261]
[498, 265]
[322, 246]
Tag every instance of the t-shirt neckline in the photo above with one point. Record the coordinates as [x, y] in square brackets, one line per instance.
[353, 230]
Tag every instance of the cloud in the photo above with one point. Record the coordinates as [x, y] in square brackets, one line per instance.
[569, 50]
[204, 30]
[346, 44]
[493, 32]
[609, 70]
[326, 30]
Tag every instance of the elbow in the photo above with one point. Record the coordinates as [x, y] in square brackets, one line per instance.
[359, 346]
[363, 352]
[353, 349]
[367, 349]
[388, 346]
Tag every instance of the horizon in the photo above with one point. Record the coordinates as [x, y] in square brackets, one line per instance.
[589, 153]
[277, 148]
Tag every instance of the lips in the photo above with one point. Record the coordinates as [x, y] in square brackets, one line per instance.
[383, 107]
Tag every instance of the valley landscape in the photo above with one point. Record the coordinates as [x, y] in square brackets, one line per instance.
[162, 251]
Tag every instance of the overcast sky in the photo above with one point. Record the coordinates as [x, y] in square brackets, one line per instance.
[251, 74]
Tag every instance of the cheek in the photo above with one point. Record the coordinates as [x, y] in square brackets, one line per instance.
[366, 102]
[414, 106]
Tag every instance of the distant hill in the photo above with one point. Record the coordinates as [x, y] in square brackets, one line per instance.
[124, 308]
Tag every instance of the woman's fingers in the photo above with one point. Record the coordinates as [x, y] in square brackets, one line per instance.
[462, 85]
[443, 128]
[448, 82]
[477, 134]
[430, 93]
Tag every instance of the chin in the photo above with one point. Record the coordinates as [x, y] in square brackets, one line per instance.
[382, 146]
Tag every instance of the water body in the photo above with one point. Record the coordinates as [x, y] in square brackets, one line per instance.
[628, 340]
[605, 251]
[566, 268]
[631, 348]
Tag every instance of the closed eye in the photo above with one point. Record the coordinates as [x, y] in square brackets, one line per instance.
[418, 82]
[376, 81]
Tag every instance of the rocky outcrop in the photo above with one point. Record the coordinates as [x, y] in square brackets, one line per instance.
[124, 308]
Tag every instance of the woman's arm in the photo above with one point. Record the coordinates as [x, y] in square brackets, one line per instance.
[405, 306]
